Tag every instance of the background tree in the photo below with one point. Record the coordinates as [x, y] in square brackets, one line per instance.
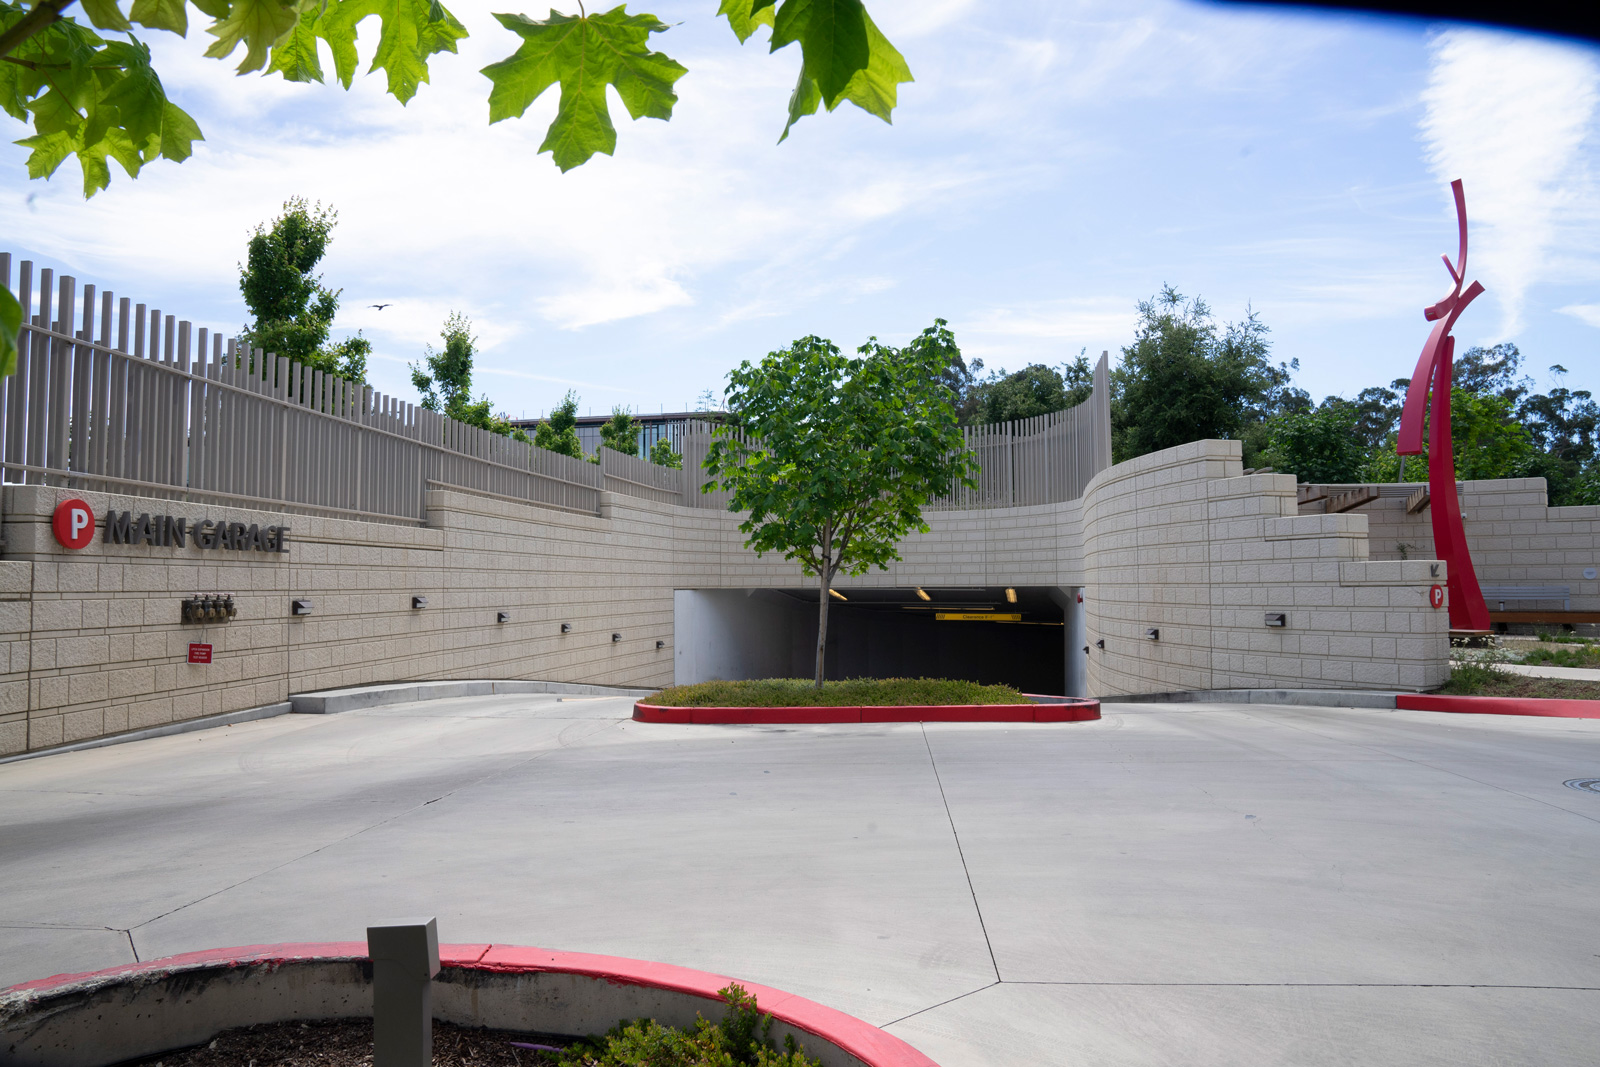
[559, 432]
[1034, 390]
[618, 433]
[98, 100]
[293, 311]
[446, 383]
[1181, 380]
[662, 455]
[1323, 445]
[841, 455]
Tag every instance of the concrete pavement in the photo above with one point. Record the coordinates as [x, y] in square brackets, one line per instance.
[1194, 883]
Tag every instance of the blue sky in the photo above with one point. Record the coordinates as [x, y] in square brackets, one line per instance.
[1053, 164]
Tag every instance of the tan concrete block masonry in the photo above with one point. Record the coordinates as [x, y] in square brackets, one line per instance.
[1181, 542]
[92, 643]
[1515, 537]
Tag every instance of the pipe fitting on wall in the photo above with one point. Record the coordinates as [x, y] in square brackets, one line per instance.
[210, 607]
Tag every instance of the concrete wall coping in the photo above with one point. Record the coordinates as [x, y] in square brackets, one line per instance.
[1322, 698]
[333, 701]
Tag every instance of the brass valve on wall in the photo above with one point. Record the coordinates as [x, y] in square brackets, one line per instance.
[211, 607]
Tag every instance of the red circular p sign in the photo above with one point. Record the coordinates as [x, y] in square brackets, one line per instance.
[73, 523]
[1436, 596]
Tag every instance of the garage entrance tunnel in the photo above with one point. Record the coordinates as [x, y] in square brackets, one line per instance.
[1012, 635]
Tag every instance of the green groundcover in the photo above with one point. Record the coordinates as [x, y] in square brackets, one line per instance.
[852, 692]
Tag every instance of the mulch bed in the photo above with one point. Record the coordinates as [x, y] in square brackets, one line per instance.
[1517, 685]
[348, 1043]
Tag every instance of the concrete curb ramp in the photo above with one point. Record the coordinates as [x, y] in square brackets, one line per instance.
[1059, 711]
[332, 701]
[143, 1009]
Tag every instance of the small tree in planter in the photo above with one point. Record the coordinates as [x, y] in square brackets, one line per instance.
[834, 456]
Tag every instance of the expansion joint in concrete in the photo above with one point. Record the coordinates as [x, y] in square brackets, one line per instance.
[956, 836]
[949, 1000]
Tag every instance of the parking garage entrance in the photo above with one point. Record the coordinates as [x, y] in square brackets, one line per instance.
[1011, 635]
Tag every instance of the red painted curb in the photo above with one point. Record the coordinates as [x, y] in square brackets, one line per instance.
[1072, 711]
[866, 1042]
[1561, 709]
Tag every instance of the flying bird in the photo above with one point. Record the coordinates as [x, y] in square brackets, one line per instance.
[380, 307]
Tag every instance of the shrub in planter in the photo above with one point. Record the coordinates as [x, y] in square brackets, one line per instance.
[742, 1039]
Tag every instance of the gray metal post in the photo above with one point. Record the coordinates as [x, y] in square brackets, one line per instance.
[405, 957]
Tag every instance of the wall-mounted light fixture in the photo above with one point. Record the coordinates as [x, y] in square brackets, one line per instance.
[418, 602]
[615, 638]
[502, 616]
[1152, 634]
[1277, 618]
[1100, 644]
[923, 594]
[661, 644]
[1011, 596]
[566, 627]
[299, 607]
[835, 592]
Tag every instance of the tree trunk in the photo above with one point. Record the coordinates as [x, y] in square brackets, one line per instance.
[822, 623]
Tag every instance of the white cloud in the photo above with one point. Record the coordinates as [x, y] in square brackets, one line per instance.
[1508, 115]
[1046, 332]
[1588, 313]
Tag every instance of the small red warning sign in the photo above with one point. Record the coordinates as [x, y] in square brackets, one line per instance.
[199, 653]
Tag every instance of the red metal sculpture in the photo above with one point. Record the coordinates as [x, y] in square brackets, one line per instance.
[1467, 609]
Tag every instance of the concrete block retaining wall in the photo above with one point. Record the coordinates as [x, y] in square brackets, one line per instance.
[91, 641]
[1183, 543]
[1516, 538]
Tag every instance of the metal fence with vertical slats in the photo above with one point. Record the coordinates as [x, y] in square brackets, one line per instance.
[117, 397]
[1041, 460]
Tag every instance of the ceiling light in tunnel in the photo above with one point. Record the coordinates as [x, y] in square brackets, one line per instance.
[923, 594]
[835, 592]
[1011, 596]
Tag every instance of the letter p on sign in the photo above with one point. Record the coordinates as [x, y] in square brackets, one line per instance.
[73, 523]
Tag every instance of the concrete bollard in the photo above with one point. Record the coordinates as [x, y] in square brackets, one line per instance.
[405, 957]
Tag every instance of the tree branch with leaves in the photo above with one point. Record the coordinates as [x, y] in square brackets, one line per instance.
[834, 457]
[100, 100]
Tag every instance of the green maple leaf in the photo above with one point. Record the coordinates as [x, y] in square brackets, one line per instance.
[259, 25]
[296, 56]
[10, 326]
[137, 96]
[170, 15]
[745, 16]
[844, 56]
[105, 15]
[584, 55]
[412, 31]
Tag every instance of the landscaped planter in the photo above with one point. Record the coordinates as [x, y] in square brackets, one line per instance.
[105, 1017]
[1071, 710]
